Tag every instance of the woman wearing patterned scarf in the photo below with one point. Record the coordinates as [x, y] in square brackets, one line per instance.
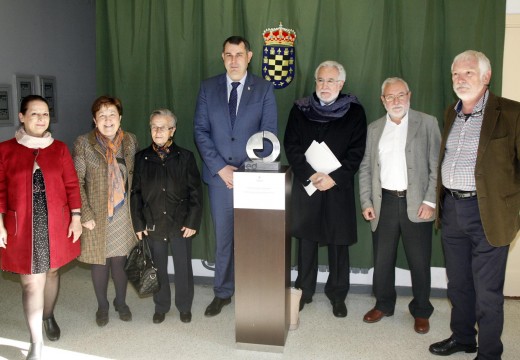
[40, 205]
[104, 160]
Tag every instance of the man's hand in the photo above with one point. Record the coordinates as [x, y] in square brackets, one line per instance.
[322, 181]
[425, 212]
[369, 214]
[226, 174]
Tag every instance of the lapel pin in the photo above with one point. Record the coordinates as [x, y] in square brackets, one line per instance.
[248, 88]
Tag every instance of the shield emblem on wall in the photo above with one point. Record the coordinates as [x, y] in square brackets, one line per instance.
[278, 64]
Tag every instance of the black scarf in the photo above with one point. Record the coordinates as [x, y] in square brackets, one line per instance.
[313, 110]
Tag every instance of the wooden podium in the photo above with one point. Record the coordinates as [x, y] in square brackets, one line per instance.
[262, 258]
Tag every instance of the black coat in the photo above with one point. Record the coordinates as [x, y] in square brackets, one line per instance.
[166, 195]
[327, 217]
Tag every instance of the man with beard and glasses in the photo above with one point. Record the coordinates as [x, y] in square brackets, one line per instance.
[397, 179]
[328, 216]
[478, 203]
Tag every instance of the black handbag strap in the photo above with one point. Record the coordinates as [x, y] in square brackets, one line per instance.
[146, 249]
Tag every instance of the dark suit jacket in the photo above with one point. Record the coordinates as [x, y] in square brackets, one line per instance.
[421, 151]
[497, 170]
[220, 145]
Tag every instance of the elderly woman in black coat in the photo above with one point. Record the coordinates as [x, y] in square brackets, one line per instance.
[326, 217]
[166, 206]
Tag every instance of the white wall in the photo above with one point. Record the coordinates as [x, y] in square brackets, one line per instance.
[513, 6]
[56, 38]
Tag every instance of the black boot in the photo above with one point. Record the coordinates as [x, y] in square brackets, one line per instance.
[52, 330]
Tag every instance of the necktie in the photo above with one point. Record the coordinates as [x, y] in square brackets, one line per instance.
[233, 103]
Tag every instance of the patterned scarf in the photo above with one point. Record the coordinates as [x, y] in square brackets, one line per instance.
[116, 184]
[164, 150]
[314, 111]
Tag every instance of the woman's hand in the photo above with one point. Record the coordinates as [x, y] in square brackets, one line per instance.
[75, 228]
[3, 236]
[3, 233]
[187, 232]
[140, 234]
[91, 224]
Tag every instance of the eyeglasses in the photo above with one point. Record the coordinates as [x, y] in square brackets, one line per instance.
[329, 82]
[160, 129]
[400, 97]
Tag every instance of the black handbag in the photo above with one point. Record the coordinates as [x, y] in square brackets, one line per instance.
[141, 271]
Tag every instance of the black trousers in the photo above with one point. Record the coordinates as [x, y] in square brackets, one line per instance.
[338, 282]
[476, 274]
[417, 242]
[181, 252]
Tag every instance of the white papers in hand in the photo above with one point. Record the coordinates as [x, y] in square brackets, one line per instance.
[322, 159]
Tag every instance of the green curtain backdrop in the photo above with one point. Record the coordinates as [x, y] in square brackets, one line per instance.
[154, 53]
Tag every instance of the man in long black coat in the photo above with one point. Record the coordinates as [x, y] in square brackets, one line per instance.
[328, 215]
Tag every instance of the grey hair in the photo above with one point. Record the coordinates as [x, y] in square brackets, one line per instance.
[164, 112]
[334, 64]
[393, 80]
[483, 62]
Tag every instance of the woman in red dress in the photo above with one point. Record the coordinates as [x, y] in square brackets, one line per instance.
[40, 210]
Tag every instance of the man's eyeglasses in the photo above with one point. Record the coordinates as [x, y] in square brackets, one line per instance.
[400, 97]
[160, 129]
[329, 82]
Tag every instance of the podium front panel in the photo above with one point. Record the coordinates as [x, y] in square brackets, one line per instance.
[262, 270]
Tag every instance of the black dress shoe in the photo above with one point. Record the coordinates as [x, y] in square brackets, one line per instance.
[158, 317]
[339, 309]
[101, 317]
[304, 301]
[451, 346]
[52, 330]
[186, 317]
[124, 312]
[216, 306]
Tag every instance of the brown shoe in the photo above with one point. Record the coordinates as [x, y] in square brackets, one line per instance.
[374, 315]
[422, 325]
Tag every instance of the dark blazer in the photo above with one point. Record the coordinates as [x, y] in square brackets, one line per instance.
[421, 151]
[166, 195]
[16, 197]
[220, 145]
[327, 217]
[497, 170]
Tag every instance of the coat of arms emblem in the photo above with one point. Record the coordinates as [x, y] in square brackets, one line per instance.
[278, 58]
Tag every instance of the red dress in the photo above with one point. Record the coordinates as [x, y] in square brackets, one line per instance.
[62, 190]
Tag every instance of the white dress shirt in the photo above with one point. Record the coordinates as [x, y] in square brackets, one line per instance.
[392, 158]
[240, 88]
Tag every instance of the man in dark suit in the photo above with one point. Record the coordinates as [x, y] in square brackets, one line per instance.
[478, 202]
[231, 107]
[397, 179]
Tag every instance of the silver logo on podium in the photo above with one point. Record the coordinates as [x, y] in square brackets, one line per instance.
[256, 143]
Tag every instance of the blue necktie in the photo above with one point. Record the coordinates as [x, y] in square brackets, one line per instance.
[233, 103]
